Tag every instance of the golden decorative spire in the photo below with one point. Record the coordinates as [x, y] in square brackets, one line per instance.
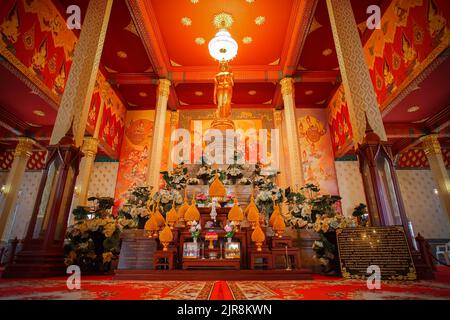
[258, 237]
[279, 226]
[236, 213]
[275, 214]
[192, 214]
[182, 210]
[152, 224]
[217, 189]
[172, 216]
[252, 213]
[159, 217]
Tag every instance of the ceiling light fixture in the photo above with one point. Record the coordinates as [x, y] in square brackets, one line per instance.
[223, 47]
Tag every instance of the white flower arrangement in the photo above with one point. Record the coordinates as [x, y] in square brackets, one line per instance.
[165, 196]
[139, 212]
[245, 181]
[193, 181]
[234, 171]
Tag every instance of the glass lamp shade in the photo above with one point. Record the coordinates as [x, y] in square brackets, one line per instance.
[223, 47]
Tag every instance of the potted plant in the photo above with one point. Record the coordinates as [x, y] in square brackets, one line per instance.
[361, 214]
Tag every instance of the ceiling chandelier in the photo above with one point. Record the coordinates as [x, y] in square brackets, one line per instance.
[223, 47]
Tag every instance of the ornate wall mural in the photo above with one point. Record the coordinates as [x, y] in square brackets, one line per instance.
[316, 150]
[134, 155]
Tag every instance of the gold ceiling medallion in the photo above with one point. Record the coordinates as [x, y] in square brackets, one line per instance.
[186, 21]
[413, 109]
[252, 92]
[223, 20]
[39, 113]
[198, 93]
[247, 40]
[260, 20]
[249, 1]
[143, 94]
[195, 1]
[308, 92]
[200, 41]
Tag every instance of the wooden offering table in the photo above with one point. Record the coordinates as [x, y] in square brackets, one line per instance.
[224, 264]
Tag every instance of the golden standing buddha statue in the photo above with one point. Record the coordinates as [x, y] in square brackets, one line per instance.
[223, 92]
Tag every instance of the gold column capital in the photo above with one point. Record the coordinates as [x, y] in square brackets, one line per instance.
[287, 86]
[90, 146]
[431, 145]
[278, 118]
[24, 147]
[164, 87]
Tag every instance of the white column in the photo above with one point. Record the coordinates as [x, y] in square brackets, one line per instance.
[154, 166]
[432, 148]
[13, 182]
[292, 137]
[278, 121]
[174, 118]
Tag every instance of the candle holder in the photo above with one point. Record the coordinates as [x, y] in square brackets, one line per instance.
[288, 260]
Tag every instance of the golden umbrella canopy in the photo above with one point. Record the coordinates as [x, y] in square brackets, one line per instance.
[217, 189]
[235, 213]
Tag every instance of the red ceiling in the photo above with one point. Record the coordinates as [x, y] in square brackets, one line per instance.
[17, 99]
[139, 96]
[432, 96]
[312, 93]
[243, 93]
[179, 40]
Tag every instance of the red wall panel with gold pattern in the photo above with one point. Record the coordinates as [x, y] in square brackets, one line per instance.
[34, 38]
[339, 123]
[413, 34]
[416, 158]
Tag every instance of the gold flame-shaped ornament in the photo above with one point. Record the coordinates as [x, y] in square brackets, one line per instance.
[275, 214]
[171, 216]
[159, 217]
[217, 189]
[192, 214]
[279, 226]
[236, 213]
[258, 237]
[182, 210]
[166, 237]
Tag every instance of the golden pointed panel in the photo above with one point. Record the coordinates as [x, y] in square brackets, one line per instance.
[217, 189]
[159, 217]
[279, 226]
[165, 237]
[182, 210]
